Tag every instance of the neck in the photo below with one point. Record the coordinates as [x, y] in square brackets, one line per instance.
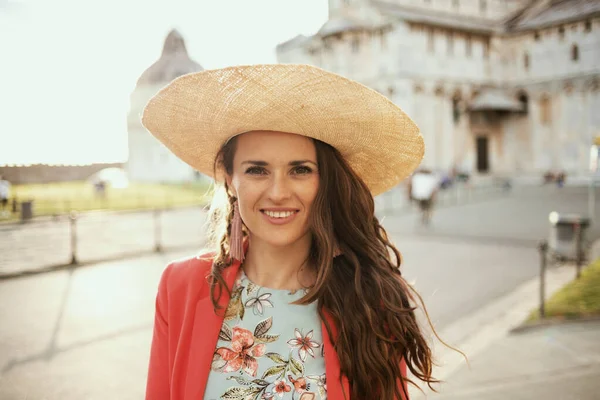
[279, 267]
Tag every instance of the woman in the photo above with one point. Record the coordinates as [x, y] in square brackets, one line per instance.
[302, 297]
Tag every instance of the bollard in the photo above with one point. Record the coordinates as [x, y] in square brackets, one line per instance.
[73, 231]
[157, 231]
[543, 249]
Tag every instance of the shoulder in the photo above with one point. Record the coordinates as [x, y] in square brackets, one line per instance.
[186, 275]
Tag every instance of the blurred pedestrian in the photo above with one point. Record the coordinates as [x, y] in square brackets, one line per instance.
[4, 195]
[299, 261]
[560, 179]
[424, 187]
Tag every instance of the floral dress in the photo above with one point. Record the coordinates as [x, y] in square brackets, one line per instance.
[267, 347]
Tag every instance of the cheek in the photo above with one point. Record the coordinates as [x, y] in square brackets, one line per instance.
[309, 191]
[248, 193]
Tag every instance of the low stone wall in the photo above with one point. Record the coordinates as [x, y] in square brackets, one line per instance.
[41, 173]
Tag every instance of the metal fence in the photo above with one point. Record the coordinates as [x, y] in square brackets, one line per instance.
[396, 202]
[46, 243]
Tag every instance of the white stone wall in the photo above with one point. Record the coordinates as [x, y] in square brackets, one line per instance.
[562, 139]
[440, 53]
[149, 160]
[494, 9]
[549, 53]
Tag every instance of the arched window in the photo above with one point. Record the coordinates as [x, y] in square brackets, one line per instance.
[383, 39]
[486, 48]
[355, 45]
[574, 53]
[468, 46]
[430, 40]
[545, 110]
[456, 107]
[524, 100]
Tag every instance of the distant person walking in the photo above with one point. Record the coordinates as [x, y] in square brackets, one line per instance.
[4, 194]
[423, 188]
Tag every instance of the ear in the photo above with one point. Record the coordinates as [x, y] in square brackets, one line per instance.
[230, 189]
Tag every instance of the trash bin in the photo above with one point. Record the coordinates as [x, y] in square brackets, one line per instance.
[563, 234]
[26, 210]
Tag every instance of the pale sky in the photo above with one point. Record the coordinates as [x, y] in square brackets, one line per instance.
[67, 67]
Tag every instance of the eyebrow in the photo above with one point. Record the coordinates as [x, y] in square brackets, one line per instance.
[294, 163]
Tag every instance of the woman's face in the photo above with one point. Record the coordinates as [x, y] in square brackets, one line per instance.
[275, 179]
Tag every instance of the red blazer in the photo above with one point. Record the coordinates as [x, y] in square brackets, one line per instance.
[186, 330]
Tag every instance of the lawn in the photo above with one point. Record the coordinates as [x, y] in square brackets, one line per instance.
[61, 198]
[580, 298]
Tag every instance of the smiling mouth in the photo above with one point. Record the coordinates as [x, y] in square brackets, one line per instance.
[279, 214]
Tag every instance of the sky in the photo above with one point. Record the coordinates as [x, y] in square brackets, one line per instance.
[67, 67]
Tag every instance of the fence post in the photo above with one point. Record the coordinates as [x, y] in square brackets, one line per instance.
[73, 232]
[157, 231]
[578, 250]
[543, 248]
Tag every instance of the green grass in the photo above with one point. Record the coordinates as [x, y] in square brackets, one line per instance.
[579, 298]
[64, 197]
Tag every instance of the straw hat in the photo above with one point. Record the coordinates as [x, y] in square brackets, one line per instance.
[197, 113]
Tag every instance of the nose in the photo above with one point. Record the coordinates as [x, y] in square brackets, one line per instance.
[279, 189]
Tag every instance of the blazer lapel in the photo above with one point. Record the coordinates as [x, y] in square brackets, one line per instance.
[205, 334]
[335, 389]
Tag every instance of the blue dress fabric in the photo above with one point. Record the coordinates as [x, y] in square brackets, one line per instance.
[268, 348]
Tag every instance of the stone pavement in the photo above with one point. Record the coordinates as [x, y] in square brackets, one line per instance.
[559, 362]
[81, 334]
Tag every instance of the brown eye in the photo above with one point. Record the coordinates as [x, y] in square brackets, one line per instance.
[302, 170]
[255, 170]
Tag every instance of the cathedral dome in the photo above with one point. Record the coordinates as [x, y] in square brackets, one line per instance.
[173, 62]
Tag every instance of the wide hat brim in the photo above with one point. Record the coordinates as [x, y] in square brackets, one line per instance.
[197, 113]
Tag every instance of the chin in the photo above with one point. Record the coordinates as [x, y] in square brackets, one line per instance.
[282, 241]
[277, 238]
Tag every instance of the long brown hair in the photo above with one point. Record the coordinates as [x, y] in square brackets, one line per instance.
[371, 305]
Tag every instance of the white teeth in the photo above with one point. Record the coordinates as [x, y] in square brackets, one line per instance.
[279, 214]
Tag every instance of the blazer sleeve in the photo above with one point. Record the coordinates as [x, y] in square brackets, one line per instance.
[403, 387]
[158, 383]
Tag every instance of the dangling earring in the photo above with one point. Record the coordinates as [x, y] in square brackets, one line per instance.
[236, 237]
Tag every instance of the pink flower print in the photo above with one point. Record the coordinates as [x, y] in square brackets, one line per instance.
[305, 344]
[242, 353]
[299, 384]
[281, 387]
